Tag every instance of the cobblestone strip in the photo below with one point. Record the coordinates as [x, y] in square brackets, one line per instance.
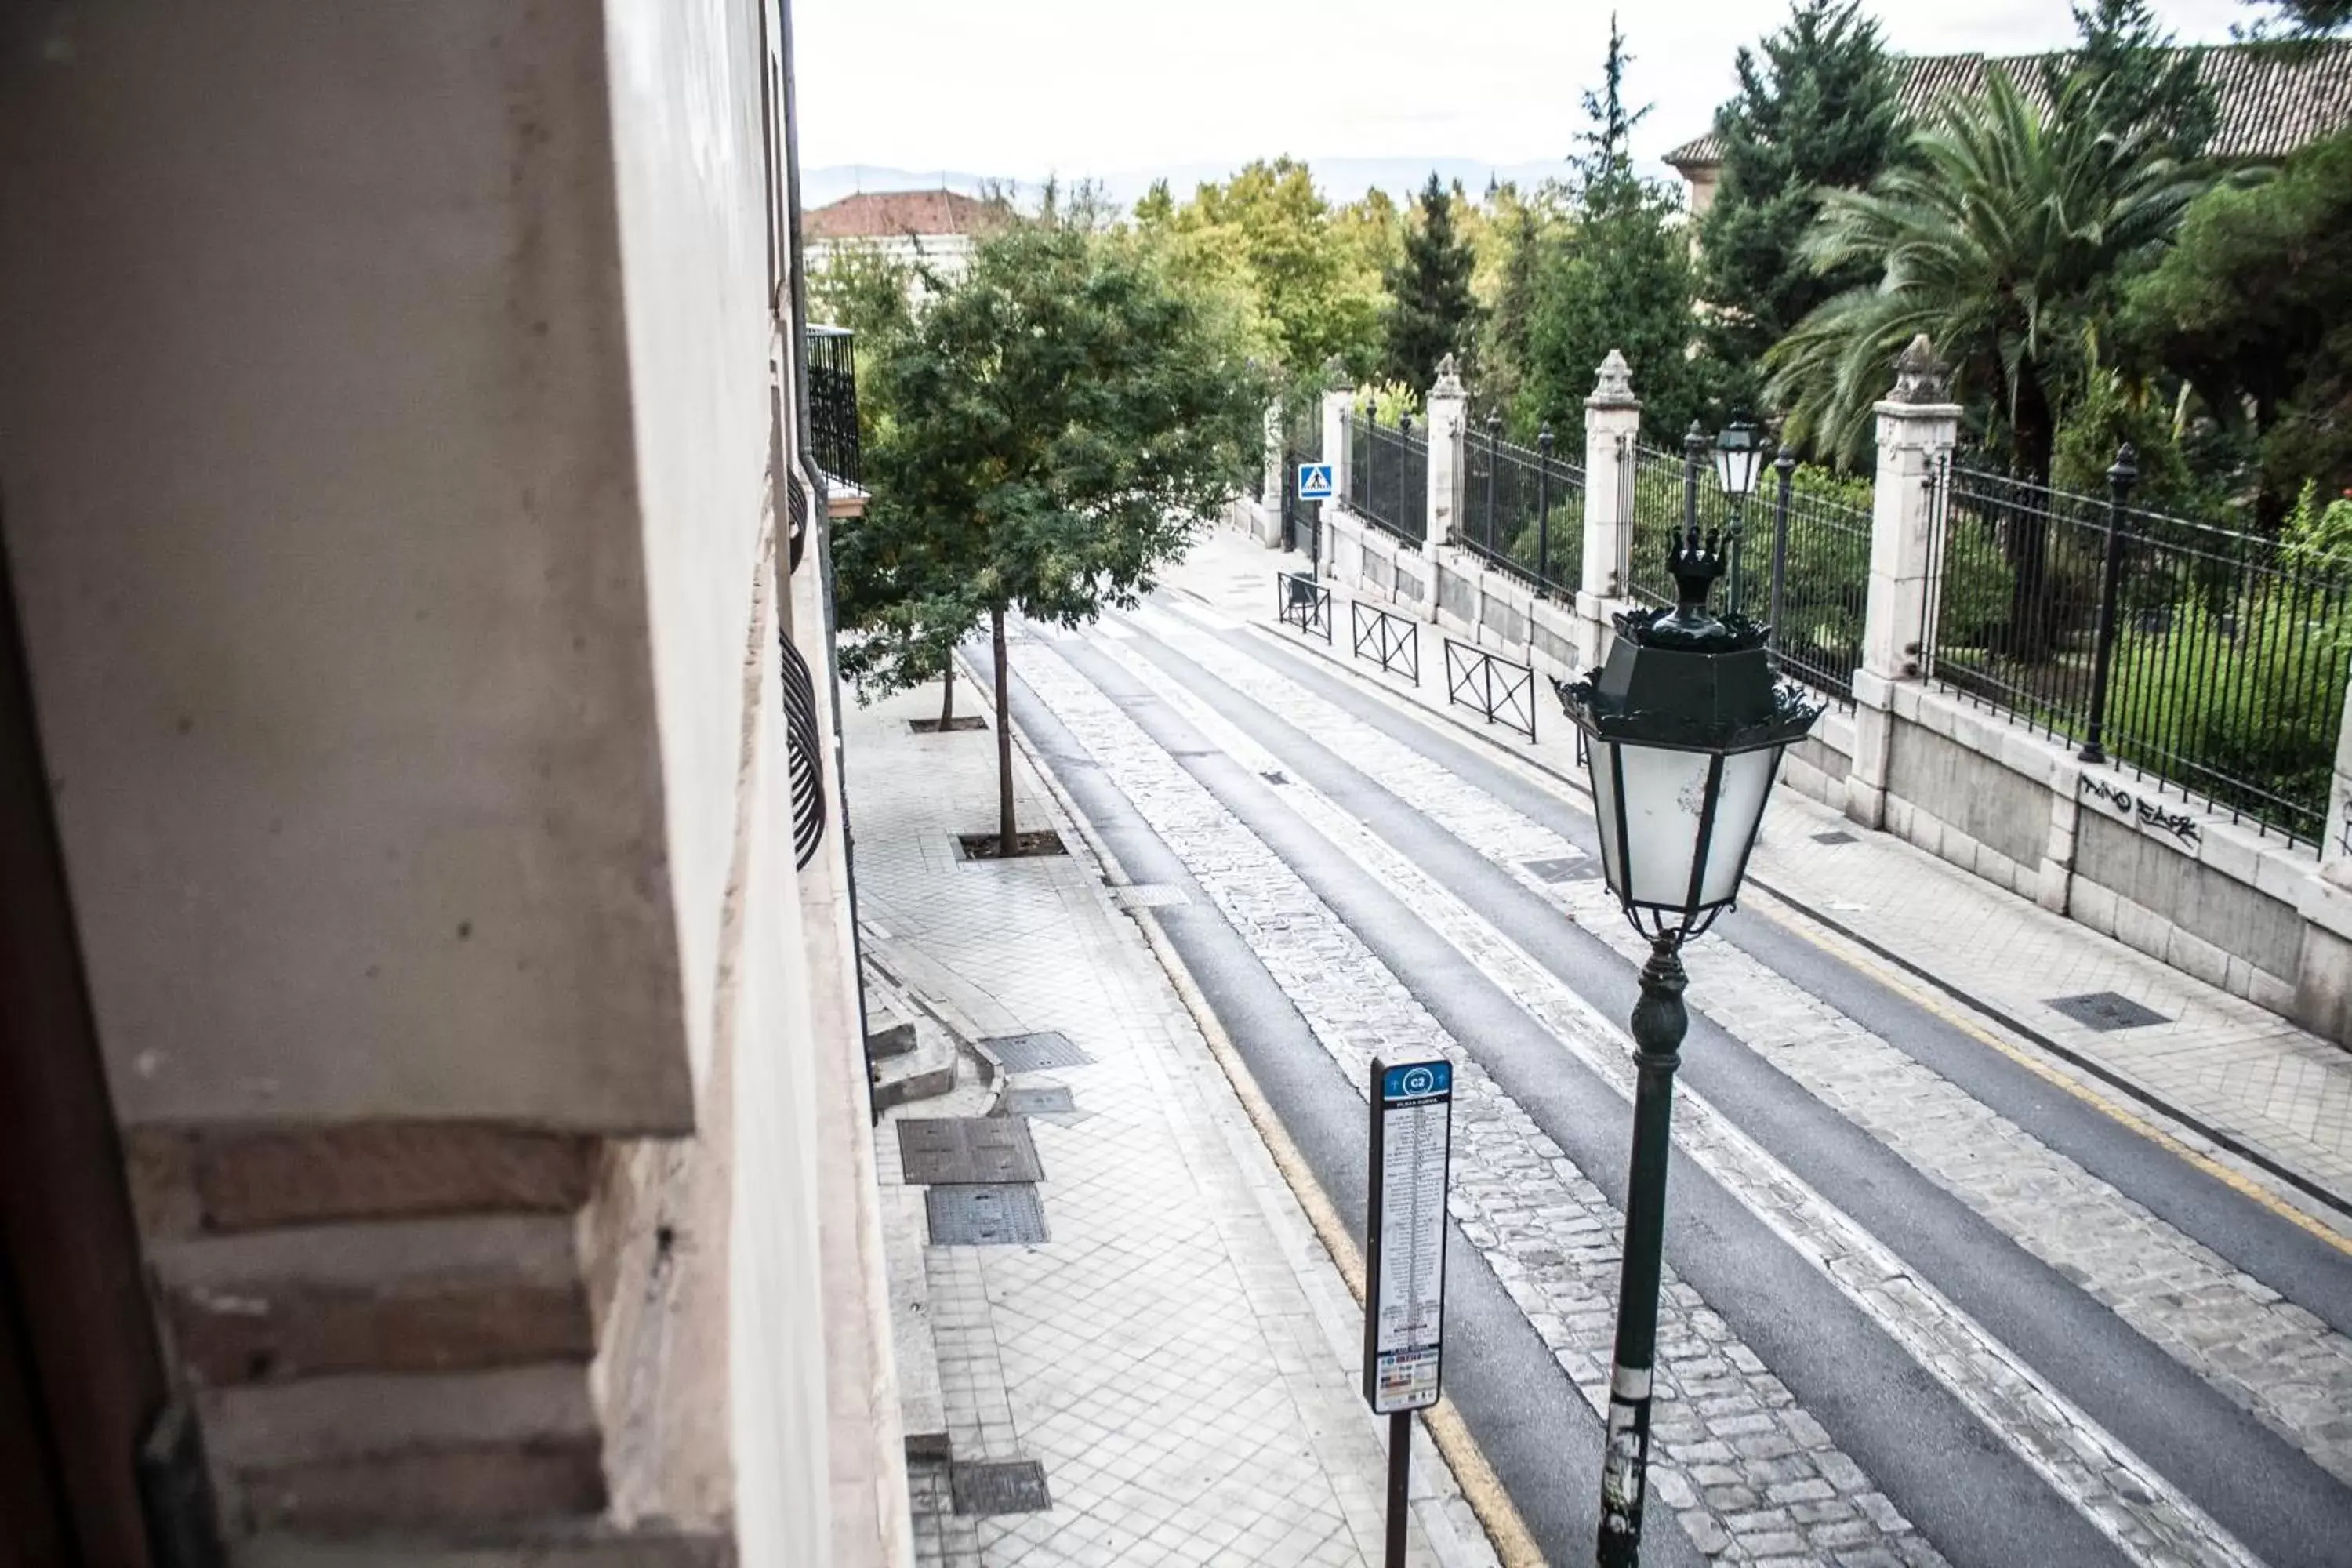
[1752, 1478]
[2125, 1496]
[2275, 1360]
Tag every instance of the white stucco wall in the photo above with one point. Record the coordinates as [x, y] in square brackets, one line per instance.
[317, 457]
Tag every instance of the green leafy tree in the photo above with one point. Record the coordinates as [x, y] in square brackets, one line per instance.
[1617, 277]
[1431, 311]
[2127, 71]
[1518, 238]
[1816, 110]
[1062, 419]
[1267, 236]
[2253, 306]
[2001, 238]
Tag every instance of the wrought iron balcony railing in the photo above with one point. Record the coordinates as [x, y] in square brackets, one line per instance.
[833, 402]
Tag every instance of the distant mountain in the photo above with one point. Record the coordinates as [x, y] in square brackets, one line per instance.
[1341, 179]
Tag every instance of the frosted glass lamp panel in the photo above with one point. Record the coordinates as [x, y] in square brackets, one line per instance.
[1600, 758]
[1664, 794]
[1747, 782]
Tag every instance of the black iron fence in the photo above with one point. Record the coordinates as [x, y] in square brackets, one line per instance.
[2209, 659]
[1388, 476]
[1304, 603]
[1498, 690]
[1388, 639]
[1523, 510]
[1815, 587]
[833, 402]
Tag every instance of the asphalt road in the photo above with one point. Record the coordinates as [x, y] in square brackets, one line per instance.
[1978, 1496]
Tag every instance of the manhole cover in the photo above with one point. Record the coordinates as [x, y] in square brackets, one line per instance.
[1274, 776]
[2107, 1011]
[1574, 870]
[1006, 1215]
[1012, 1486]
[1046, 1099]
[946, 1149]
[1029, 1053]
[1834, 836]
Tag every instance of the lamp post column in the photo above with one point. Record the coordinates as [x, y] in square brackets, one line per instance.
[1659, 1023]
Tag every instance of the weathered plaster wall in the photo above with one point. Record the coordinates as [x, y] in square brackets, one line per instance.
[316, 457]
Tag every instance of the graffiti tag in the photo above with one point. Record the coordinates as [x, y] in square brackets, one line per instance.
[2181, 825]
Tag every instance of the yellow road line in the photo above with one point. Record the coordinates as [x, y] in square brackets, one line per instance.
[1514, 1544]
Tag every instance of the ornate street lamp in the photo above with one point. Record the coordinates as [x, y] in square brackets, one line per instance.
[1682, 731]
[1738, 456]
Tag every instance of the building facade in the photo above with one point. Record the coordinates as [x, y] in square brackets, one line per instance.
[934, 227]
[437, 1123]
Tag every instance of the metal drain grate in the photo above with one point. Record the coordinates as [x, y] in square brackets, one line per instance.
[941, 1150]
[2107, 1011]
[1003, 1215]
[1834, 836]
[1575, 870]
[1033, 1053]
[1007, 1486]
[1045, 1099]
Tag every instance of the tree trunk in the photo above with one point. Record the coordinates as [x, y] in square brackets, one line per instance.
[947, 695]
[1005, 834]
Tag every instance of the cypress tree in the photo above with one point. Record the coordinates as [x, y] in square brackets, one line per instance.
[1431, 312]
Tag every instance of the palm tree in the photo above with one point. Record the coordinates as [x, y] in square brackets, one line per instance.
[2004, 234]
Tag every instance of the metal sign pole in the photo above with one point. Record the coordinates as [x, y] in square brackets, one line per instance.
[1405, 1260]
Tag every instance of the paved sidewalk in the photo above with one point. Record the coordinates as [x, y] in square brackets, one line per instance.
[1179, 1353]
[2217, 1059]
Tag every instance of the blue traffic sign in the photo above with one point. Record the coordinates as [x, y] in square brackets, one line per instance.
[1314, 482]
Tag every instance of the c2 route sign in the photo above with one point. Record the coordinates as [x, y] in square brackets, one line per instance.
[1404, 1290]
[1314, 482]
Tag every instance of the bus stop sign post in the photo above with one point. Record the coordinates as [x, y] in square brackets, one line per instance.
[1405, 1260]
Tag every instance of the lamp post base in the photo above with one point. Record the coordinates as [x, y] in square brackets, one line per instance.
[1660, 1022]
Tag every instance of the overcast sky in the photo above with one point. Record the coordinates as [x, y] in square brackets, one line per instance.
[1023, 87]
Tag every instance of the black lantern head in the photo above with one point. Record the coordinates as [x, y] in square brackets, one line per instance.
[1738, 453]
[1682, 730]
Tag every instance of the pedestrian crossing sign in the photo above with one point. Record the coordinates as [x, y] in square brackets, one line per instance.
[1314, 482]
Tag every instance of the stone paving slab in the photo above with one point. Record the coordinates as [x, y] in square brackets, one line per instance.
[1179, 1356]
[2238, 1068]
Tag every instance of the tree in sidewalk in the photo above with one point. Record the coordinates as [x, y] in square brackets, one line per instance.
[1816, 110]
[1430, 313]
[1616, 276]
[1062, 419]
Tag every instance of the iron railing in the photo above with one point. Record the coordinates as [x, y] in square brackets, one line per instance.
[1498, 690]
[2208, 659]
[1815, 592]
[1302, 602]
[1388, 476]
[1523, 510]
[1388, 639]
[832, 402]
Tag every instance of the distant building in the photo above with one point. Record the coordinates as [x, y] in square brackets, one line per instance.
[2271, 100]
[937, 225]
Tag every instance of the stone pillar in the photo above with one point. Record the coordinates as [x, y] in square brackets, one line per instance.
[1336, 403]
[1613, 422]
[1449, 415]
[1917, 426]
[2323, 991]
